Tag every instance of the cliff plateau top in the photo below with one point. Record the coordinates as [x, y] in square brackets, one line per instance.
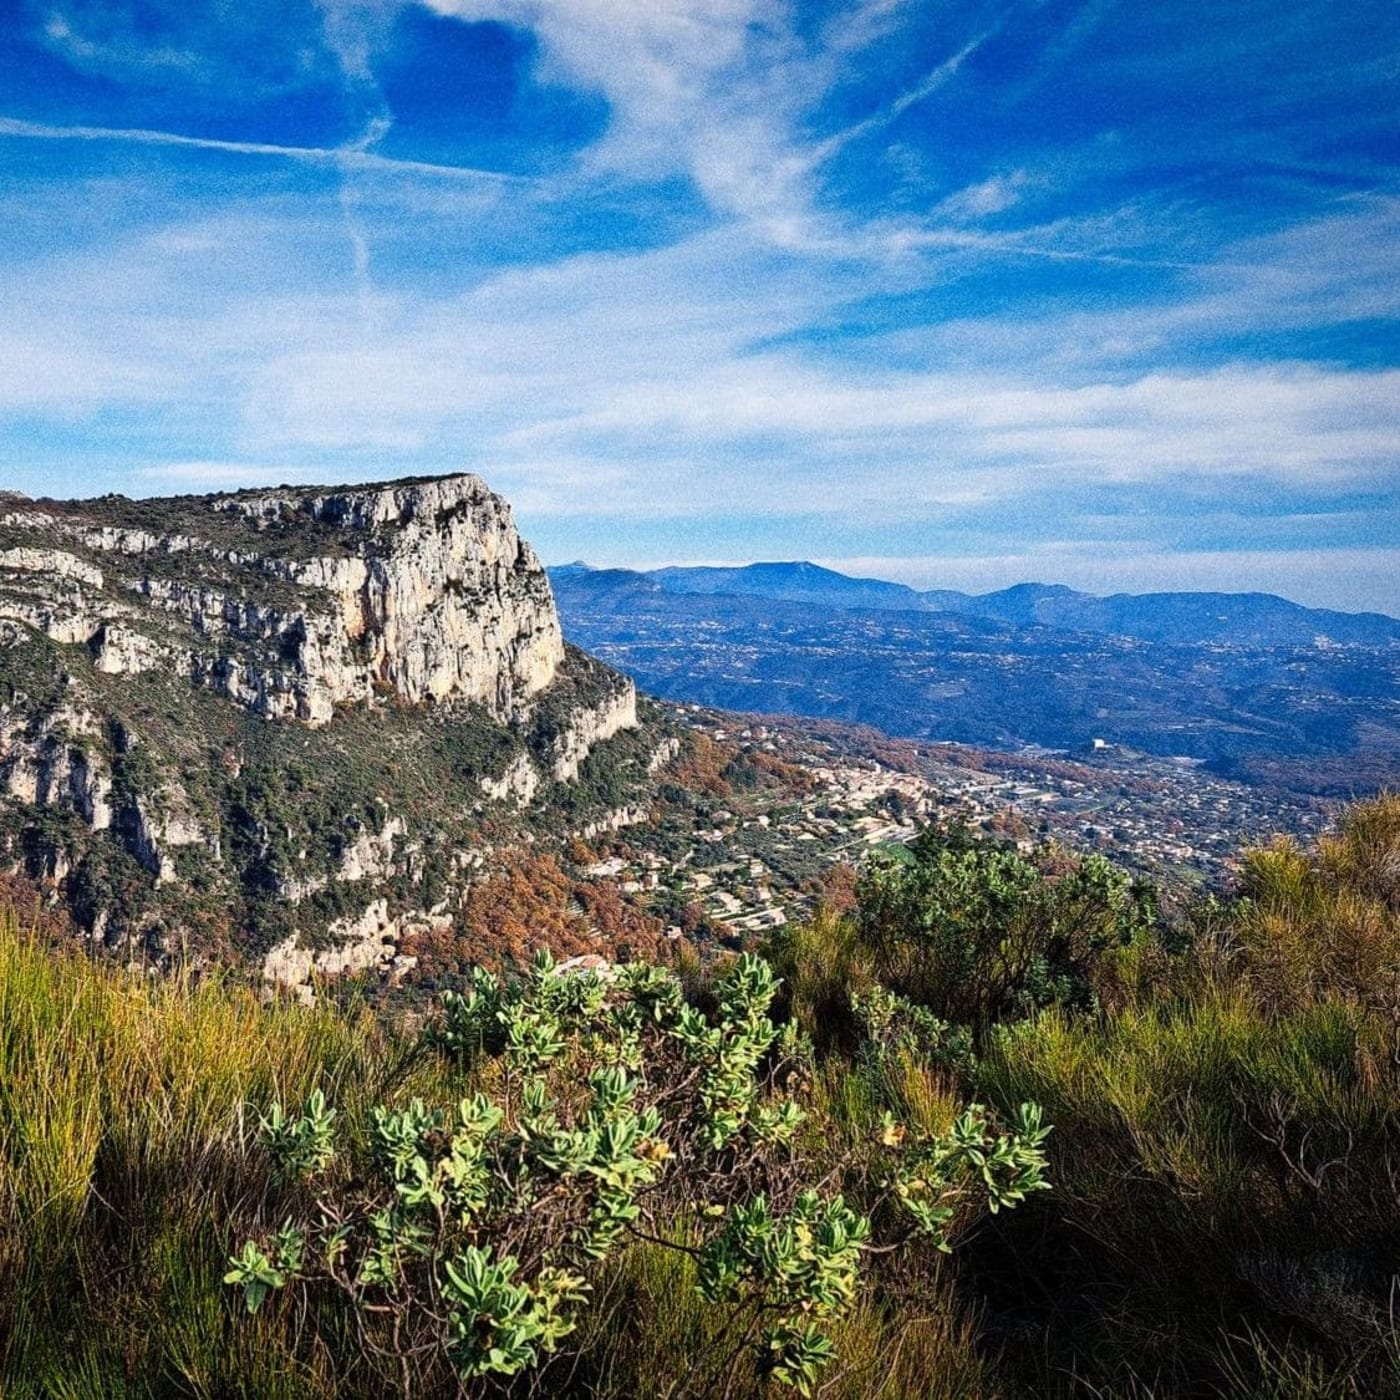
[292, 600]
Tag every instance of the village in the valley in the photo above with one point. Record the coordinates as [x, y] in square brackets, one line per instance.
[752, 858]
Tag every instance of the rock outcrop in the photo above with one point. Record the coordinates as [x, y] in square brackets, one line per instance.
[293, 602]
[589, 725]
[278, 720]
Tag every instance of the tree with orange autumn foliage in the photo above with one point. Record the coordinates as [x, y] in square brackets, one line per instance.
[700, 767]
[533, 903]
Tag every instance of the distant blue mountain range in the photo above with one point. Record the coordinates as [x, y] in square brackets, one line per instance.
[1257, 686]
[1240, 619]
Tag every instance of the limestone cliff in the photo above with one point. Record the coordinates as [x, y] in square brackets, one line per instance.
[293, 602]
[283, 716]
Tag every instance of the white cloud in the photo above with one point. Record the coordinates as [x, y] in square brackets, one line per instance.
[119, 51]
[673, 382]
[61, 371]
[355, 29]
[714, 89]
[939, 77]
[1310, 425]
[352, 157]
[986, 197]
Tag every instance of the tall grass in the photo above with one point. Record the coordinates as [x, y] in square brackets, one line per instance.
[1225, 1163]
[1329, 923]
[1225, 1206]
[651, 1335]
[128, 1122]
[124, 1146]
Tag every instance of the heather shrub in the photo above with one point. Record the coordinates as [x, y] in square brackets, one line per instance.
[1327, 923]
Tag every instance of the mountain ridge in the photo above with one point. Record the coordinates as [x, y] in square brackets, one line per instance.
[288, 722]
[1168, 615]
[1195, 682]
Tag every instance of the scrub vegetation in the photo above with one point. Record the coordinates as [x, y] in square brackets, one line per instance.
[997, 1130]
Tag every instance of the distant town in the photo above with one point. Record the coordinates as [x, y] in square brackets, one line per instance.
[749, 859]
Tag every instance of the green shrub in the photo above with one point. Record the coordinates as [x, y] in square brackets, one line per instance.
[607, 1114]
[980, 933]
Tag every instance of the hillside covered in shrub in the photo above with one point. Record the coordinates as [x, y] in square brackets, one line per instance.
[1001, 1129]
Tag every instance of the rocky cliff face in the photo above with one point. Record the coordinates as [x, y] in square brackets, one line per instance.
[279, 717]
[291, 603]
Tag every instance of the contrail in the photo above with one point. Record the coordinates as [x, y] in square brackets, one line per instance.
[344, 157]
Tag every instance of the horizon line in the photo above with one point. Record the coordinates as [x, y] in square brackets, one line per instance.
[966, 593]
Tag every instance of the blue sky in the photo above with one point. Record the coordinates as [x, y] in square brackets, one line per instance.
[956, 293]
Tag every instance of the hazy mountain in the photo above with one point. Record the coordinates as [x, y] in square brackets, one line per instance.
[1243, 679]
[1242, 619]
[796, 582]
[1239, 619]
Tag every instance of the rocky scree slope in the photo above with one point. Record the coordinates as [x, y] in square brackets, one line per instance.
[288, 724]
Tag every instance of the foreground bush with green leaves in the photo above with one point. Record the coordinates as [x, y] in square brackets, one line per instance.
[1225, 1094]
[467, 1240]
[981, 933]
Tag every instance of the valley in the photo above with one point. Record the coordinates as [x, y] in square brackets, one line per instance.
[731, 849]
[1320, 718]
[338, 732]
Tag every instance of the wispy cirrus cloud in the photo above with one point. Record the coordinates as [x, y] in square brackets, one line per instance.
[254, 49]
[866, 278]
[726, 92]
[880, 120]
[121, 52]
[642, 366]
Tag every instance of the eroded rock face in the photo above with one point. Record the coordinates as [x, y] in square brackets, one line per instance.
[49, 760]
[591, 724]
[367, 941]
[292, 602]
[276, 720]
[520, 781]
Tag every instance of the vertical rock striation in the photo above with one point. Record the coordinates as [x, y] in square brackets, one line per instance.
[293, 602]
[279, 714]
